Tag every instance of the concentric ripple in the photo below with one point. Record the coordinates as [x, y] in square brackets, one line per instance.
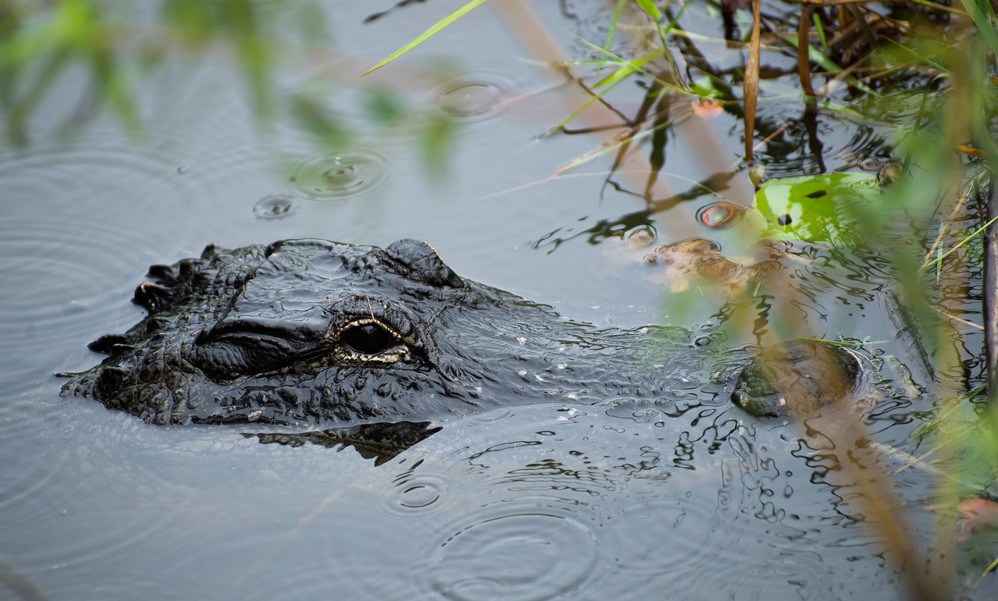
[74, 219]
[63, 277]
[417, 493]
[470, 98]
[516, 557]
[334, 176]
[274, 206]
[475, 97]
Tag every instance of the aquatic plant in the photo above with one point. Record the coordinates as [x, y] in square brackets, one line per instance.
[925, 72]
[110, 48]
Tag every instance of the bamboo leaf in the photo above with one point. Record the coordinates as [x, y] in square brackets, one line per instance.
[432, 31]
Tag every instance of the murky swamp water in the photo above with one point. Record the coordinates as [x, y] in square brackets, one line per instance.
[684, 499]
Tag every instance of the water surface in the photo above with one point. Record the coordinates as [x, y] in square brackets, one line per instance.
[686, 498]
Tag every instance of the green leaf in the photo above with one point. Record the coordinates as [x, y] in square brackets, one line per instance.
[984, 28]
[611, 31]
[817, 208]
[432, 31]
[649, 7]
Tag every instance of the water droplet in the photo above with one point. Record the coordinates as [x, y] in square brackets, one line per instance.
[331, 176]
[641, 236]
[275, 206]
[720, 215]
[470, 98]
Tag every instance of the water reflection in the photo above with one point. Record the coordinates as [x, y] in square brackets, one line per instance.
[379, 441]
[817, 142]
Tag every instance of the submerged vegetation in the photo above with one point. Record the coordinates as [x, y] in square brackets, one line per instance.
[921, 72]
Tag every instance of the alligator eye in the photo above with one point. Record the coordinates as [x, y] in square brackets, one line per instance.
[368, 339]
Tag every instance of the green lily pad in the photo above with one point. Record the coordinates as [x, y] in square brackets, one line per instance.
[816, 208]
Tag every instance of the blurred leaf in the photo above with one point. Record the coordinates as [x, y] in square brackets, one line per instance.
[315, 119]
[436, 140]
[384, 107]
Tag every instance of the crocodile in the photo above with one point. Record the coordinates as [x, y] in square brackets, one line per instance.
[318, 333]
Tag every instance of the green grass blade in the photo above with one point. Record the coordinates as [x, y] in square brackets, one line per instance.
[614, 146]
[432, 31]
[595, 97]
[628, 68]
[614, 21]
[649, 7]
[939, 258]
[821, 33]
[984, 28]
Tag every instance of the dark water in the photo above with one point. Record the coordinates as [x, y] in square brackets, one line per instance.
[689, 499]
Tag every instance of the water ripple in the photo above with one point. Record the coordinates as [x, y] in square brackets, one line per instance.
[274, 206]
[24, 475]
[514, 556]
[69, 213]
[660, 534]
[333, 176]
[418, 493]
[472, 98]
[489, 100]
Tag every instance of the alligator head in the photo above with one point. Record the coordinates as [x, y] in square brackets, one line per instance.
[317, 332]
[311, 332]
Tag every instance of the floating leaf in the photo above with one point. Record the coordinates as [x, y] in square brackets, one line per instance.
[817, 208]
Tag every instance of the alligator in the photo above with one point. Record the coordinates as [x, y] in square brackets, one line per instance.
[310, 332]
